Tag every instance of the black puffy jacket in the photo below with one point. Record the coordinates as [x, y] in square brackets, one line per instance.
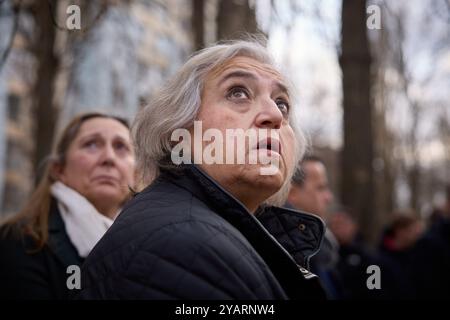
[184, 237]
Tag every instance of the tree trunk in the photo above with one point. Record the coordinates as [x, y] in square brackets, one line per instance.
[234, 19]
[414, 185]
[198, 23]
[44, 110]
[357, 154]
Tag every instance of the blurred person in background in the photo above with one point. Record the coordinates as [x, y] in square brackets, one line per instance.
[83, 189]
[353, 258]
[432, 255]
[402, 233]
[356, 257]
[310, 192]
[397, 254]
[211, 230]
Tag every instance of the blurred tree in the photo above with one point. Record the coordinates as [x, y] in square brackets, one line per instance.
[49, 18]
[403, 84]
[234, 18]
[444, 130]
[412, 143]
[358, 150]
[44, 109]
[198, 23]
[16, 7]
[386, 165]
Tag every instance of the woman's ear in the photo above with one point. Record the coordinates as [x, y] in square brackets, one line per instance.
[56, 170]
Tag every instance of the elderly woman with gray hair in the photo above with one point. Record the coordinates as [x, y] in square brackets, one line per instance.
[218, 146]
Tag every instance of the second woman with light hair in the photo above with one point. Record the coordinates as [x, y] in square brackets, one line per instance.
[209, 229]
[85, 184]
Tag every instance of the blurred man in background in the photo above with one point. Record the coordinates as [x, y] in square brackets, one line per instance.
[310, 192]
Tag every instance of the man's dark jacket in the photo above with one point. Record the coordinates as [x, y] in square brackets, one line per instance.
[185, 237]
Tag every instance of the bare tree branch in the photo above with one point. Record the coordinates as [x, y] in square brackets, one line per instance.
[16, 11]
[443, 14]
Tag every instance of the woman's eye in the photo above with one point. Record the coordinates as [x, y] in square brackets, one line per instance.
[91, 145]
[283, 106]
[238, 93]
[121, 147]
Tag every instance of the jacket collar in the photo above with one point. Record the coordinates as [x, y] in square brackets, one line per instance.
[58, 240]
[291, 234]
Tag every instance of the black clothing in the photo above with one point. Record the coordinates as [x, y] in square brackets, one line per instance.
[27, 274]
[185, 237]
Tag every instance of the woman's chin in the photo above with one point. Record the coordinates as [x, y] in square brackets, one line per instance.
[266, 178]
[108, 193]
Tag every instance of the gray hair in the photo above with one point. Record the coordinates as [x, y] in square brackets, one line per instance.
[178, 102]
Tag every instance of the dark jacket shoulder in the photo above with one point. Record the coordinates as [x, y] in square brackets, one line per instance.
[27, 272]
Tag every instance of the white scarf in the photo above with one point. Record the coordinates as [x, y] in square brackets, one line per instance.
[84, 224]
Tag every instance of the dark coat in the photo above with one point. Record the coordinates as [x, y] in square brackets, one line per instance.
[25, 274]
[185, 237]
[325, 263]
[431, 255]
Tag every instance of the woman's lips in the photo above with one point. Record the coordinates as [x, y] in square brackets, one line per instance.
[270, 144]
[106, 178]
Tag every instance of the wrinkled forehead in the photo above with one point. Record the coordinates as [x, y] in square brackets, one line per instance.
[246, 63]
[102, 126]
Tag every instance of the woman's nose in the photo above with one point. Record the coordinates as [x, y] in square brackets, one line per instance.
[108, 155]
[269, 115]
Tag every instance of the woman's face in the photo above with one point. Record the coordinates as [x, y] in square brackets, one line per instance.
[246, 94]
[100, 164]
